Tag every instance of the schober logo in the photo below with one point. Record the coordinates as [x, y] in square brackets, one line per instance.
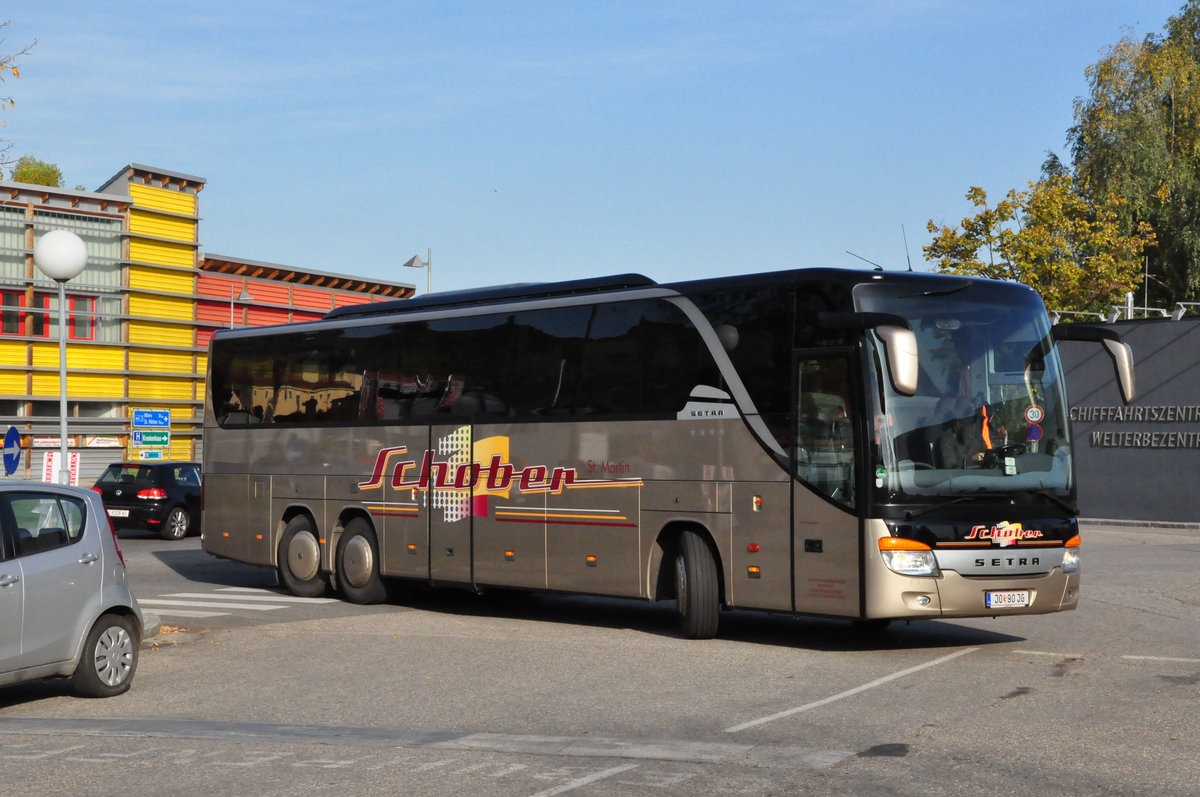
[1004, 533]
[486, 474]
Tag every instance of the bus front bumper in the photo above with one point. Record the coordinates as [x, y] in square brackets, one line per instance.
[952, 595]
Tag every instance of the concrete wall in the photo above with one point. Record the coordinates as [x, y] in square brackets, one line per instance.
[1139, 461]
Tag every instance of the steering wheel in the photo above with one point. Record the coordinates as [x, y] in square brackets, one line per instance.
[1002, 452]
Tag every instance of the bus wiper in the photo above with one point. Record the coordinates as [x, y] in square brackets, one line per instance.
[909, 514]
[940, 292]
[1074, 510]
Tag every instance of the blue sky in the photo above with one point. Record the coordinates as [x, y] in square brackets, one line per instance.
[533, 141]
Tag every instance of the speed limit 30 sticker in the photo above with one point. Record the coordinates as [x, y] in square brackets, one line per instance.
[1034, 414]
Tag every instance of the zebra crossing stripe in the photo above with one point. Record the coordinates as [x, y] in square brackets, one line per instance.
[193, 604]
[266, 597]
[199, 604]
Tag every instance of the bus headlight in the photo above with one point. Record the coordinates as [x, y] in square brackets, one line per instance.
[908, 557]
[1071, 555]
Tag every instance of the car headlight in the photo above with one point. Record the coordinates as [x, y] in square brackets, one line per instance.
[908, 557]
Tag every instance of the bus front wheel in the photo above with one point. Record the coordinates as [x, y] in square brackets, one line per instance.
[299, 558]
[358, 564]
[696, 588]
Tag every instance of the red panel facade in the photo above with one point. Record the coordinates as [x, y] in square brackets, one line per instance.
[217, 285]
[342, 299]
[314, 298]
[262, 316]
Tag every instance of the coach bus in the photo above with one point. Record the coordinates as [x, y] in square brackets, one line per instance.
[849, 444]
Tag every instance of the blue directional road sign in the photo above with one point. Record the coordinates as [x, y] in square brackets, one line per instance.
[151, 419]
[12, 450]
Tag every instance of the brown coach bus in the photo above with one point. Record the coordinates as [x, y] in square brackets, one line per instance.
[853, 444]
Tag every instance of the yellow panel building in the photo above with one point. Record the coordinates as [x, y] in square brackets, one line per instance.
[137, 320]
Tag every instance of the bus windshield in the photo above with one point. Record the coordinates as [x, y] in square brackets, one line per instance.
[989, 411]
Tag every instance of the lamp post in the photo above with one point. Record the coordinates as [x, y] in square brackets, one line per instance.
[415, 262]
[61, 256]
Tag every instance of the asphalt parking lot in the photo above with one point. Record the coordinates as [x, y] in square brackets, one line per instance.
[444, 692]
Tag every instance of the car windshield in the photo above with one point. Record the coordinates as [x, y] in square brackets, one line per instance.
[988, 413]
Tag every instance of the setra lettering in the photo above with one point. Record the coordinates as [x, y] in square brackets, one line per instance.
[1009, 561]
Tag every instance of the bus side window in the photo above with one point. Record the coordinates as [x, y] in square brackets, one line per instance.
[824, 427]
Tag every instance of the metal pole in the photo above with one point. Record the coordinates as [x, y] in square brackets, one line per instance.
[428, 270]
[64, 468]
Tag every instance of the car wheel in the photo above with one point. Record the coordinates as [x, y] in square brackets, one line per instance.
[109, 658]
[358, 564]
[696, 588]
[177, 524]
[299, 558]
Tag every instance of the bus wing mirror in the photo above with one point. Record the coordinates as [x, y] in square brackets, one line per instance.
[1118, 350]
[899, 341]
[900, 344]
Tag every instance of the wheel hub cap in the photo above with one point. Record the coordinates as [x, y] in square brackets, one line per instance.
[304, 556]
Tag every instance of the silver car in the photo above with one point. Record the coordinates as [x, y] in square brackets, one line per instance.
[65, 607]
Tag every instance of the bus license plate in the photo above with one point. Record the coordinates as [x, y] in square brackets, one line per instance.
[123, 513]
[1006, 598]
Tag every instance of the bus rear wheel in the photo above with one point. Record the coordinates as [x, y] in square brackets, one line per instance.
[299, 558]
[696, 588]
[358, 564]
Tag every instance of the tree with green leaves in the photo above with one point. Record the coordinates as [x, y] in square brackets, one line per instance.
[1137, 137]
[10, 66]
[1073, 253]
[29, 169]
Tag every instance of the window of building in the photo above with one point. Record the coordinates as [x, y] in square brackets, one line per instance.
[83, 310]
[10, 316]
[40, 320]
[43, 316]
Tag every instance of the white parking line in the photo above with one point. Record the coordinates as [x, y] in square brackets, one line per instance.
[1161, 658]
[584, 781]
[849, 692]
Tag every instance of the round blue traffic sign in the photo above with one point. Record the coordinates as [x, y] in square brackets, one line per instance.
[12, 450]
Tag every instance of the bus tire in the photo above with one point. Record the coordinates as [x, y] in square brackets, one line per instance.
[696, 588]
[358, 564]
[299, 558]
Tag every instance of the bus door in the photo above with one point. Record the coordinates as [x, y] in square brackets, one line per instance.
[398, 504]
[826, 539]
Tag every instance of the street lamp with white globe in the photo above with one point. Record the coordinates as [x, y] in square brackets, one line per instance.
[61, 255]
